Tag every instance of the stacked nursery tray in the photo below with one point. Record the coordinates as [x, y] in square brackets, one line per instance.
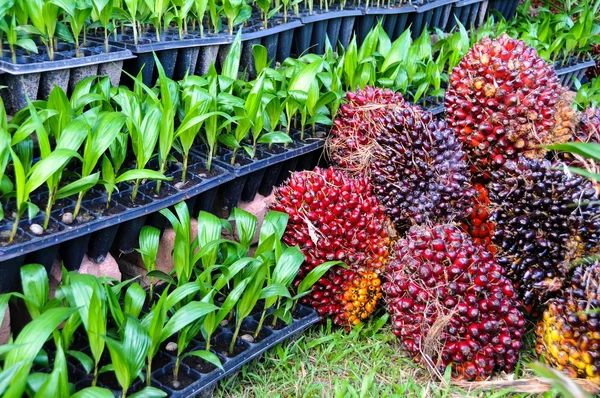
[33, 76]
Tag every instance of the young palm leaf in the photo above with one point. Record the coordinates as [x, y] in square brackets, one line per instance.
[149, 241]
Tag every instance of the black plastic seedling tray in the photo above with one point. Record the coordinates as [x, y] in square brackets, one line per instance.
[203, 381]
[65, 59]
[430, 15]
[252, 176]
[508, 8]
[71, 237]
[470, 13]
[567, 74]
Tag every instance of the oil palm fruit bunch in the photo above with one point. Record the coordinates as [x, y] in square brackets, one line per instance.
[568, 335]
[414, 162]
[478, 224]
[588, 131]
[544, 217]
[450, 301]
[503, 101]
[334, 216]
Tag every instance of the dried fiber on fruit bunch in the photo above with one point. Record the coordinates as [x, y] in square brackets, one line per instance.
[587, 131]
[544, 219]
[451, 303]
[568, 335]
[504, 101]
[414, 162]
[334, 216]
[477, 224]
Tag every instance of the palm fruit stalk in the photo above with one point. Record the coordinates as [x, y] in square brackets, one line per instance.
[413, 161]
[503, 101]
[544, 217]
[478, 224]
[334, 216]
[451, 303]
[568, 335]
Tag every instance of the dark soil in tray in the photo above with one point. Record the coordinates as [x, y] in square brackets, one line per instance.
[101, 209]
[190, 180]
[83, 217]
[128, 202]
[165, 191]
[279, 324]
[182, 381]
[109, 380]
[53, 226]
[160, 360]
[20, 237]
[221, 345]
[201, 172]
[274, 149]
[200, 364]
[263, 334]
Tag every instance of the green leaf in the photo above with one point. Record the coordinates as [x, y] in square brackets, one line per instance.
[315, 274]
[83, 184]
[135, 297]
[585, 149]
[275, 290]
[93, 392]
[29, 342]
[149, 392]
[140, 174]
[84, 360]
[245, 224]
[206, 355]
[184, 316]
[275, 137]
[34, 282]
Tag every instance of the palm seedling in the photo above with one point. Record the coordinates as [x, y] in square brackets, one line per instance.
[86, 294]
[44, 19]
[102, 11]
[161, 326]
[149, 240]
[78, 12]
[102, 129]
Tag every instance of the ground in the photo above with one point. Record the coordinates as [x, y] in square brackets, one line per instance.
[365, 362]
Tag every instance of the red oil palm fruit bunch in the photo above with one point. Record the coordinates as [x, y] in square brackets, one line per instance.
[450, 301]
[544, 217]
[334, 216]
[414, 162]
[568, 335]
[478, 224]
[504, 101]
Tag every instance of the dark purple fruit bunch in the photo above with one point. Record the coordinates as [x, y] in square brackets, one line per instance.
[568, 335]
[450, 301]
[414, 162]
[333, 216]
[504, 101]
[544, 218]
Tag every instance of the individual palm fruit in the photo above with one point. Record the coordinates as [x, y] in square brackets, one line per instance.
[544, 217]
[478, 224]
[568, 335]
[450, 301]
[504, 101]
[345, 295]
[414, 162]
[333, 216]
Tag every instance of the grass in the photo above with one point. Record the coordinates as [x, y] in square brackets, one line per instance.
[365, 362]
